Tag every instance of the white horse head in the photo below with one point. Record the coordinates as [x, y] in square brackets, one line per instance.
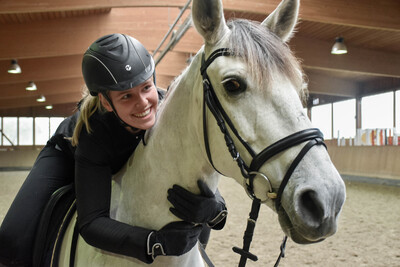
[259, 85]
[260, 88]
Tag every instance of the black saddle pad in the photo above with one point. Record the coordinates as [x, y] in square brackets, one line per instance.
[53, 223]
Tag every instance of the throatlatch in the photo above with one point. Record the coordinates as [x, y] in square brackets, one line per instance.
[313, 136]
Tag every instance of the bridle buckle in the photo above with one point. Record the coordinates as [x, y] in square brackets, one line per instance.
[270, 194]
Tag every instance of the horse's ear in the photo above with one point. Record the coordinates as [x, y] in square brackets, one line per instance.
[283, 19]
[208, 18]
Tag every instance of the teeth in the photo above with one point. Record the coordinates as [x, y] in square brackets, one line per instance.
[143, 114]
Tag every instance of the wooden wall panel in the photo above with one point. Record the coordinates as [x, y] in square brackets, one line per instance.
[367, 161]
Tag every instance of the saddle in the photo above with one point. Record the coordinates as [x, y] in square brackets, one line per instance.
[53, 224]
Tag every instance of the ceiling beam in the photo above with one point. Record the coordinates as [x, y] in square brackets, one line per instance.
[172, 64]
[78, 33]
[46, 88]
[327, 85]
[58, 92]
[381, 14]
[42, 69]
[45, 39]
[48, 69]
[369, 13]
[163, 81]
[315, 54]
[28, 6]
[379, 86]
[31, 101]
[59, 110]
[324, 99]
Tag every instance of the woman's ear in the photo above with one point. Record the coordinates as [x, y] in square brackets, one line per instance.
[105, 103]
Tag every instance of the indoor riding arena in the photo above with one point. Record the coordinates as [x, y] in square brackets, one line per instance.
[368, 232]
[349, 52]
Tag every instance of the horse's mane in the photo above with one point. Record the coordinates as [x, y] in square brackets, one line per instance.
[266, 54]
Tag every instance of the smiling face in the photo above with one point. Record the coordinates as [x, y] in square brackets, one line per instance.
[137, 106]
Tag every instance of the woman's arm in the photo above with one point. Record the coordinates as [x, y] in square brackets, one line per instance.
[93, 191]
[93, 174]
[93, 194]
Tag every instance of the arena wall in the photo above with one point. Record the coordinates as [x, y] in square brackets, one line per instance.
[358, 162]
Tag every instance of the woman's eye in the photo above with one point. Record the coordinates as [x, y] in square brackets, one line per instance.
[148, 85]
[234, 85]
[125, 96]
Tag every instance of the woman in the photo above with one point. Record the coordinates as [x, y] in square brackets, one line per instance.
[123, 100]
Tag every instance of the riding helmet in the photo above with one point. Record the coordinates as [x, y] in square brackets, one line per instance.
[116, 62]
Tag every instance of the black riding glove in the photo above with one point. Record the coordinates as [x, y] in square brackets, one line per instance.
[174, 239]
[203, 208]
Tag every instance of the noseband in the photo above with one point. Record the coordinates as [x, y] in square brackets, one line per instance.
[312, 136]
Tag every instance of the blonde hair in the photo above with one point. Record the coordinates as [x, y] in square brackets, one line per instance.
[88, 106]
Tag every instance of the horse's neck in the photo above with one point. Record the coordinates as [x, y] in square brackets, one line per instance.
[174, 154]
[177, 137]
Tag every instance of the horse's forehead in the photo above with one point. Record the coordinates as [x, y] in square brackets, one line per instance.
[226, 65]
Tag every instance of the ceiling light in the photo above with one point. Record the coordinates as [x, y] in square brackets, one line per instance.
[49, 107]
[31, 86]
[41, 98]
[339, 47]
[14, 68]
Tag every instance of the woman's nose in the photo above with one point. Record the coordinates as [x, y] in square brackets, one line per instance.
[141, 101]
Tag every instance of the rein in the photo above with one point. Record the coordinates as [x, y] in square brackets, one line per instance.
[313, 136]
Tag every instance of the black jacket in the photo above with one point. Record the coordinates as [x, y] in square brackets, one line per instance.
[98, 156]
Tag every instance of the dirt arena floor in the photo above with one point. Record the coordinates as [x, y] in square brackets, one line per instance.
[368, 234]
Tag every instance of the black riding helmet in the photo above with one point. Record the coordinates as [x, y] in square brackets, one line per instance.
[116, 62]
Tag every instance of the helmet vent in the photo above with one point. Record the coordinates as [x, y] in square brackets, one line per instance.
[116, 51]
[104, 39]
[105, 42]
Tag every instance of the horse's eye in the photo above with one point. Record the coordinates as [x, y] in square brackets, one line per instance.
[234, 85]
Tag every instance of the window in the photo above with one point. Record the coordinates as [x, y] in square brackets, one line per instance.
[321, 117]
[344, 119]
[10, 131]
[377, 111]
[25, 131]
[54, 122]
[397, 111]
[41, 131]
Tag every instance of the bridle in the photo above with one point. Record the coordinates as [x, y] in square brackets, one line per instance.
[312, 136]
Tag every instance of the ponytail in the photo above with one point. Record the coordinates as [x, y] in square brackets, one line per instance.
[89, 105]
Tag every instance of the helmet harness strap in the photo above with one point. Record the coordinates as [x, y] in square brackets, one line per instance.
[116, 114]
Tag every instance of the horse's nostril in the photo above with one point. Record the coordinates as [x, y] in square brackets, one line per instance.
[311, 208]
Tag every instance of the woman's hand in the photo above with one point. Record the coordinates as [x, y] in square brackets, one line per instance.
[198, 209]
[174, 239]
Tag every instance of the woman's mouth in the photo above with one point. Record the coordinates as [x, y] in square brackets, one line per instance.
[143, 114]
